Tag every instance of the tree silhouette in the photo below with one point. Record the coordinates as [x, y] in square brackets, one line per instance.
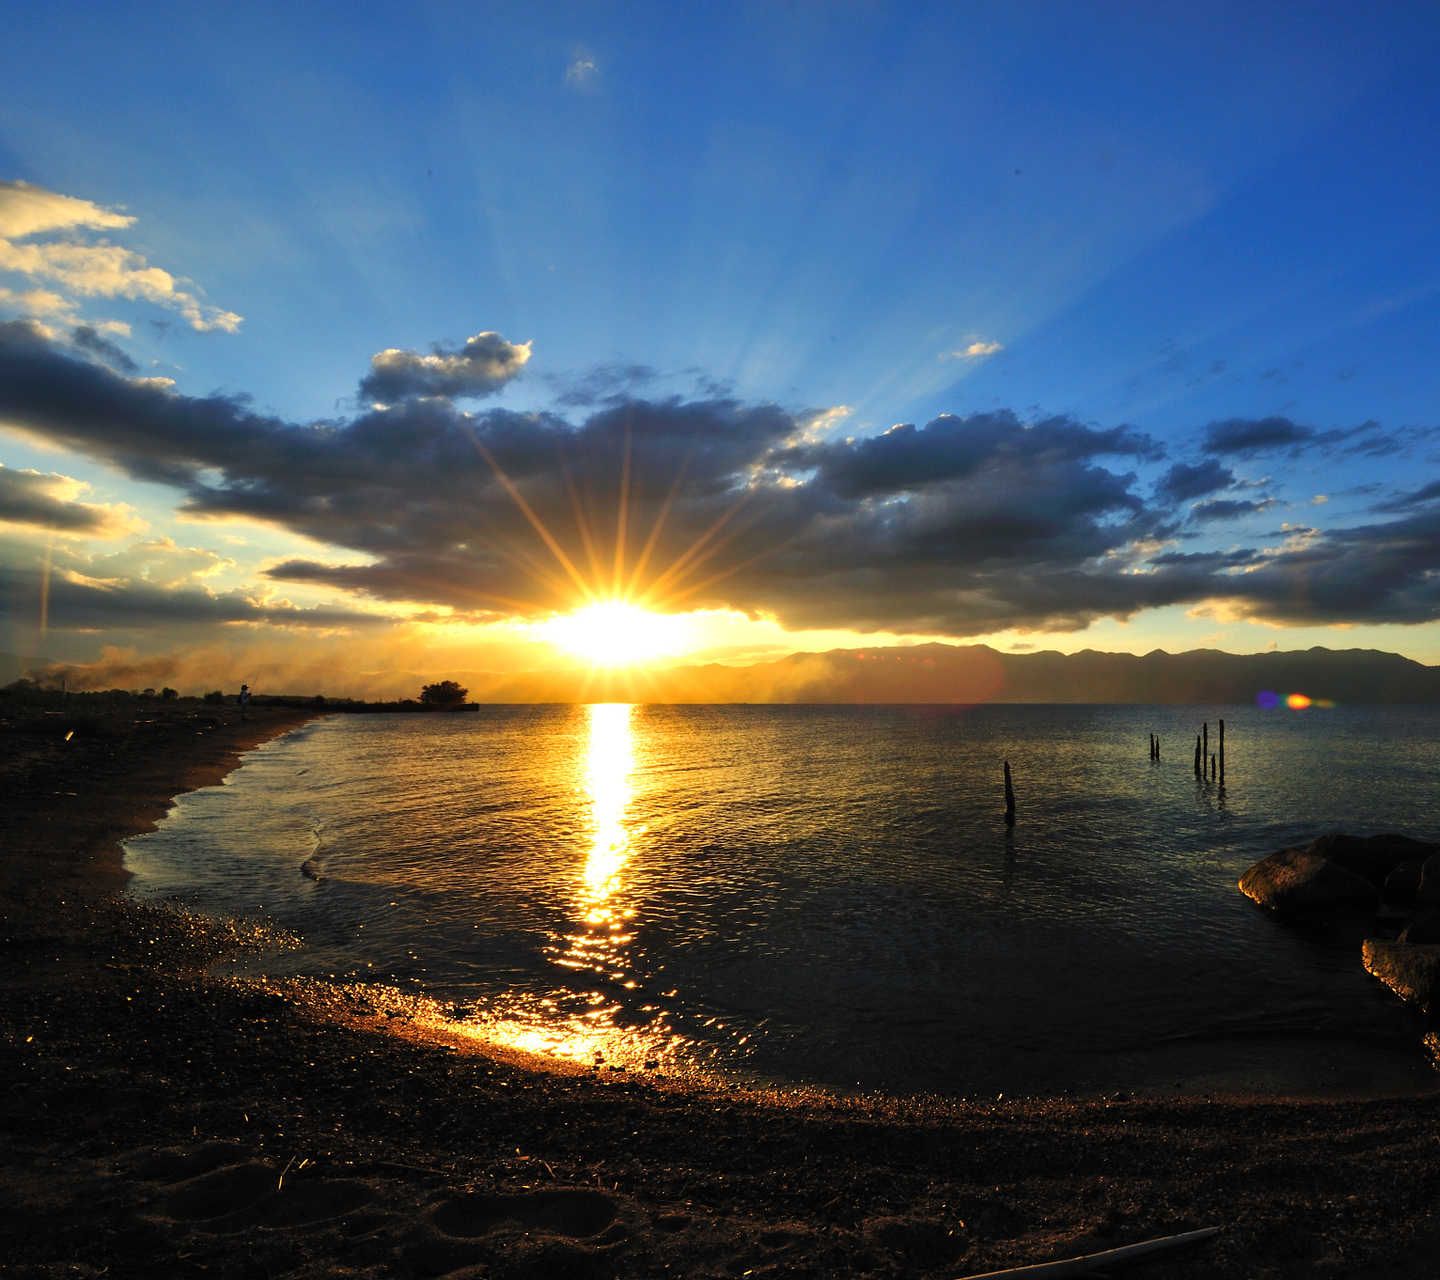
[445, 694]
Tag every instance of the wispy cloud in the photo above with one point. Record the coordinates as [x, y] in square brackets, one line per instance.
[583, 68]
[977, 349]
[80, 269]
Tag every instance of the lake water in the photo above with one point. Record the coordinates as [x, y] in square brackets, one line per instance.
[830, 894]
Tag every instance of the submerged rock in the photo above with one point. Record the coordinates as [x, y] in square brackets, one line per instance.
[1410, 970]
[1373, 857]
[1297, 880]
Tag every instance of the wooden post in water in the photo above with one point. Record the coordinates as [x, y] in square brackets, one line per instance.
[1157, 747]
[1222, 753]
[1197, 755]
[1212, 768]
[1009, 797]
[1204, 745]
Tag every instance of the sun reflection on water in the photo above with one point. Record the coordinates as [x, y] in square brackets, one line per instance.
[597, 950]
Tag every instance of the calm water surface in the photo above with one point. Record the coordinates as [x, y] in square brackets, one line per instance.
[829, 894]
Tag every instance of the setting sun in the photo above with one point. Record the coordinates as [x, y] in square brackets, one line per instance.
[614, 634]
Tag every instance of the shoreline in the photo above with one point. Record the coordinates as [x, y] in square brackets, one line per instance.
[155, 1117]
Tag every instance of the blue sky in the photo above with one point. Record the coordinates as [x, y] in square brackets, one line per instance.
[1149, 217]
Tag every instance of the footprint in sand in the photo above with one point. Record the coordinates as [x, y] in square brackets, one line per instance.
[561, 1213]
[540, 1232]
[219, 1190]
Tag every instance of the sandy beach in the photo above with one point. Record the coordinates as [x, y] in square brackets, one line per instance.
[157, 1121]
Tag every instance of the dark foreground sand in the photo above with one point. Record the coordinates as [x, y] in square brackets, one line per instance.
[155, 1122]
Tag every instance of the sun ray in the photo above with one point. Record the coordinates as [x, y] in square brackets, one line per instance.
[581, 523]
[680, 562]
[535, 521]
[622, 515]
[649, 547]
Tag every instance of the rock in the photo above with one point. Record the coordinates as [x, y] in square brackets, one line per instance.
[1425, 928]
[1428, 894]
[1296, 880]
[1403, 884]
[1410, 970]
[1373, 857]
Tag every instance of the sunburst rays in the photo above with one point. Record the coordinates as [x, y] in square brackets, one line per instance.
[605, 582]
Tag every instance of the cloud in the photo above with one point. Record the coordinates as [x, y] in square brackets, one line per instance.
[583, 68]
[480, 368]
[977, 349]
[100, 270]
[49, 502]
[153, 586]
[88, 339]
[1230, 509]
[27, 210]
[1246, 437]
[1185, 481]
[1405, 501]
[963, 526]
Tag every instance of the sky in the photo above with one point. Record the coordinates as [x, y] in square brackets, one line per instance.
[342, 340]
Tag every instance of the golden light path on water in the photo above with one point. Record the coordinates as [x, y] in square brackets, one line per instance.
[605, 916]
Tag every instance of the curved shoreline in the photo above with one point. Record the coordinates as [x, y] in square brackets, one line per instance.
[117, 1045]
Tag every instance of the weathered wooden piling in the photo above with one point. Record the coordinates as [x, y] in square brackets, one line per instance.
[1009, 796]
[1212, 768]
[1204, 744]
[1197, 755]
[1222, 753]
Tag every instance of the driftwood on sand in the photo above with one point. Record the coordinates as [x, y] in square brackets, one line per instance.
[1088, 1264]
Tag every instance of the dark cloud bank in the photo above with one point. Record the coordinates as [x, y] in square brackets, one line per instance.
[960, 527]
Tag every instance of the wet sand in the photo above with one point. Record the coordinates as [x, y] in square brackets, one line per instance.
[156, 1121]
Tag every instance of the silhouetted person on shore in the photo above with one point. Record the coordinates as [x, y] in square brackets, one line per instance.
[244, 701]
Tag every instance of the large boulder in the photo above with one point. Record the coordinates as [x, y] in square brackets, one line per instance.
[1373, 857]
[1402, 885]
[1297, 880]
[1410, 970]
[1424, 928]
[1428, 895]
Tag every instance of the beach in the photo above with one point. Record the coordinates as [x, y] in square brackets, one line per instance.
[157, 1120]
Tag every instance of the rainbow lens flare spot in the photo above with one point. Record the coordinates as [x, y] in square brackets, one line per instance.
[1297, 702]
[1266, 700]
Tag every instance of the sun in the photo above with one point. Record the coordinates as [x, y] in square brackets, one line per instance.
[615, 634]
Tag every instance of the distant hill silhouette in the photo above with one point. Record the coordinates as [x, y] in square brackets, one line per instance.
[943, 673]
[935, 673]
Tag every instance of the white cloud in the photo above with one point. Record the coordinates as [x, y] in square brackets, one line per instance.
[26, 210]
[977, 349]
[101, 270]
[37, 302]
[582, 69]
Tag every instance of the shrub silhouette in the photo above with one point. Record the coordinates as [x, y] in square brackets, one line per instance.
[215, 696]
[445, 694]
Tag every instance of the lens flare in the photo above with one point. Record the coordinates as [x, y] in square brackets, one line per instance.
[1297, 702]
[1267, 700]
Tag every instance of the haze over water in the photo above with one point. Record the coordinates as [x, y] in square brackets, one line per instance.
[829, 893]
